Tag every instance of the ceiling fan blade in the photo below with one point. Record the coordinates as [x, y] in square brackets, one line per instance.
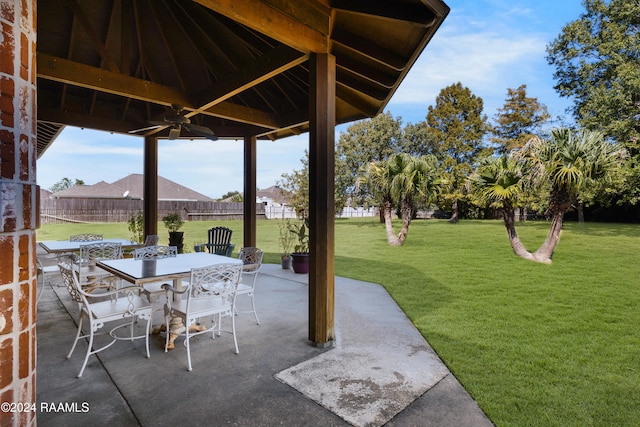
[159, 123]
[174, 133]
[201, 131]
[156, 126]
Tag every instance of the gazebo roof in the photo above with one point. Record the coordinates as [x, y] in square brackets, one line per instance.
[238, 67]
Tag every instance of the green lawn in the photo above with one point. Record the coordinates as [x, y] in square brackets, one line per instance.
[535, 345]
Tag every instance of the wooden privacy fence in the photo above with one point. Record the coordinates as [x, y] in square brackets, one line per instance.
[54, 211]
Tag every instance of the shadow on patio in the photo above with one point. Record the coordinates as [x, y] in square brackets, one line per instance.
[380, 372]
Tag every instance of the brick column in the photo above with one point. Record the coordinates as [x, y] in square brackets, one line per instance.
[17, 208]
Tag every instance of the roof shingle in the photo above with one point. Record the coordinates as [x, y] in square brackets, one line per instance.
[131, 187]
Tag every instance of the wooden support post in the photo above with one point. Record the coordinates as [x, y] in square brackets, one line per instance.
[321, 198]
[150, 192]
[250, 191]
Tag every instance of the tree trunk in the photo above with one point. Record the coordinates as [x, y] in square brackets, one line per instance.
[454, 212]
[560, 204]
[391, 238]
[407, 214]
[545, 252]
[508, 214]
[523, 214]
[381, 210]
[580, 213]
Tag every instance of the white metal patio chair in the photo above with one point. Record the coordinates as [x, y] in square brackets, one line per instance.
[42, 273]
[154, 291]
[211, 293]
[47, 268]
[110, 306]
[90, 276]
[252, 259]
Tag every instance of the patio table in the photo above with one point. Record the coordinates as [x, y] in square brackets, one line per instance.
[64, 246]
[176, 268]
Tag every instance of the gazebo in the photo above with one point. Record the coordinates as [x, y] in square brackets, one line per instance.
[241, 69]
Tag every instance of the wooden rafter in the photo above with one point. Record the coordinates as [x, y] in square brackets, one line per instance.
[263, 68]
[86, 26]
[413, 13]
[273, 22]
[73, 73]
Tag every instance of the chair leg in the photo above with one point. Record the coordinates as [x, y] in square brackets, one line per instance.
[168, 333]
[148, 332]
[134, 320]
[73, 347]
[253, 303]
[89, 352]
[233, 329]
[186, 337]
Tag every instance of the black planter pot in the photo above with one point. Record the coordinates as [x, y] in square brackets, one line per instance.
[300, 263]
[176, 238]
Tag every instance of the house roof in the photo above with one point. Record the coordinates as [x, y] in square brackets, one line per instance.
[131, 186]
[45, 194]
[238, 67]
[274, 193]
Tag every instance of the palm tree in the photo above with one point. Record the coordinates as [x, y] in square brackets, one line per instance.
[401, 180]
[569, 161]
[499, 181]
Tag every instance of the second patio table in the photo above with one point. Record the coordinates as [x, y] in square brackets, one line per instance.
[64, 246]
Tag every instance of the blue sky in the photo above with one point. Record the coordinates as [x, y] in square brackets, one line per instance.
[487, 45]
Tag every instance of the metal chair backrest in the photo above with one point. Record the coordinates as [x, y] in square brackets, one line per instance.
[85, 237]
[70, 279]
[92, 252]
[251, 257]
[220, 280]
[155, 252]
[219, 240]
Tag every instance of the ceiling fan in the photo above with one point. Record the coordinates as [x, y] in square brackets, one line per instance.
[176, 119]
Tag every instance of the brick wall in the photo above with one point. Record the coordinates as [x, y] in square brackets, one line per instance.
[17, 208]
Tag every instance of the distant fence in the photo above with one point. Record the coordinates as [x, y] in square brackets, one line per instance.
[57, 211]
[282, 212]
[53, 211]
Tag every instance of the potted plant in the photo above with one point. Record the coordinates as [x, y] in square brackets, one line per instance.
[300, 256]
[136, 227]
[286, 242]
[173, 222]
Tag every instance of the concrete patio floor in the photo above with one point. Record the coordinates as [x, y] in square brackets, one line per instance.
[380, 371]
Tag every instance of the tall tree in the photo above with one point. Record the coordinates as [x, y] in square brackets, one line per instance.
[234, 196]
[65, 183]
[499, 181]
[295, 186]
[568, 162]
[296, 189]
[597, 63]
[364, 142]
[518, 120]
[456, 126]
[402, 180]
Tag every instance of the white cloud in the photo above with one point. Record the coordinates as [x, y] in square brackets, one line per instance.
[482, 61]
